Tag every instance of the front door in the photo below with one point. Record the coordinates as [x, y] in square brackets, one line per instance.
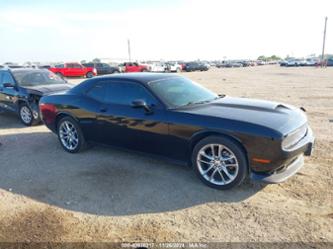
[123, 125]
[8, 95]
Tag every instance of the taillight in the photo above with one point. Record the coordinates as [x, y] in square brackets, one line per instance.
[48, 112]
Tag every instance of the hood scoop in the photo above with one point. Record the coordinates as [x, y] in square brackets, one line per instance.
[251, 104]
[281, 106]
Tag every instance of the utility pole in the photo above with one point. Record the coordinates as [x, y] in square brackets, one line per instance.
[324, 40]
[129, 49]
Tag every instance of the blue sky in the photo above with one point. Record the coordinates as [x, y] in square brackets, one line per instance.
[175, 29]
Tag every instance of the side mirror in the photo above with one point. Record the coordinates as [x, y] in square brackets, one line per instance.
[140, 103]
[8, 85]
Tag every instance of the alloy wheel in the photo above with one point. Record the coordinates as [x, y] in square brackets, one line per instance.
[68, 135]
[25, 114]
[217, 164]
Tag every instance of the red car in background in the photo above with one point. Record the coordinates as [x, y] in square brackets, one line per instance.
[73, 69]
[133, 67]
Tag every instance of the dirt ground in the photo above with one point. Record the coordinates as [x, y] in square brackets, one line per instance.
[104, 194]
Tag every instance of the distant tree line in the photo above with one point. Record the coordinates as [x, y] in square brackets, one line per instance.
[269, 58]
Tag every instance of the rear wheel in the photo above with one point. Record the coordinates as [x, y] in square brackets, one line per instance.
[219, 162]
[89, 75]
[70, 135]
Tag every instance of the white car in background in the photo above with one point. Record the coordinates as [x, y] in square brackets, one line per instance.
[173, 67]
[311, 62]
[293, 63]
[157, 67]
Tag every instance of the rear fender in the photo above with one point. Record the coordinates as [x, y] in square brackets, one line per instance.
[62, 114]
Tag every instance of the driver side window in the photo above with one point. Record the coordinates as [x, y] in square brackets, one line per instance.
[124, 93]
[121, 93]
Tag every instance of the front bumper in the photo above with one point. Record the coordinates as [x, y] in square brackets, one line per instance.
[292, 164]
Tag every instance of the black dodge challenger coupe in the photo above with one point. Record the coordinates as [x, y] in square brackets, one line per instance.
[21, 89]
[224, 139]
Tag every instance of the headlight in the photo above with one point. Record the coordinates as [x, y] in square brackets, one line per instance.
[294, 137]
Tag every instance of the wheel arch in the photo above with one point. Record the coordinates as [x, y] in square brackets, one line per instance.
[61, 115]
[22, 101]
[197, 137]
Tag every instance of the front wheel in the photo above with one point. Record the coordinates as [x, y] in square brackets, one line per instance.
[27, 116]
[219, 162]
[70, 135]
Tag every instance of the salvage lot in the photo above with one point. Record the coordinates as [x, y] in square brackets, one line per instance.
[104, 194]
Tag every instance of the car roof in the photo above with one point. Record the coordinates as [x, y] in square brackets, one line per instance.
[140, 77]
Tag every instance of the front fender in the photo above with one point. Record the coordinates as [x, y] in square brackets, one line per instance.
[196, 137]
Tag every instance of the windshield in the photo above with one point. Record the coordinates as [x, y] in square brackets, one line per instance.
[176, 92]
[36, 78]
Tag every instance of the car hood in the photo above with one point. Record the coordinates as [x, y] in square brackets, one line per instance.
[48, 89]
[282, 118]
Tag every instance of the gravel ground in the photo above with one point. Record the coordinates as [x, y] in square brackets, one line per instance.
[105, 194]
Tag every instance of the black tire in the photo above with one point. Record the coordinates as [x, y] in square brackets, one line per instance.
[232, 146]
[115, 72]
[81, 141]
[89, 75]
[144, 70]
[24, 111]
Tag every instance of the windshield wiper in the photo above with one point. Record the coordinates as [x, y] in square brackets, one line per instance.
[197, 103]
[202, 101]
[209, 100]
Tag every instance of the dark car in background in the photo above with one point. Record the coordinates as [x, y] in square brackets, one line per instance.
[44, 66]
[21, 89]
[102, 68]
[229, 64]
[329, 62]
[224, 139]
[195, 66]
[14, 66]
[245, 63]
